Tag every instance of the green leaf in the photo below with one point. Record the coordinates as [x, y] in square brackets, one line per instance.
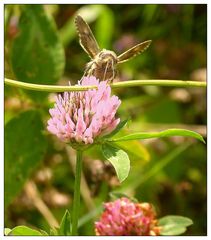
[53, 232]
[140, 154]
[25, 148]
[64, 229]
[174, 225]
[117, 129]
[7, 231]
[166, 133]
[37, 55]
[24, 231]
[119, 159]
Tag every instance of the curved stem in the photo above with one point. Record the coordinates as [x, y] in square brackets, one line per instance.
[131, 83]
[159, 82]
[45, 88]
[76, 199]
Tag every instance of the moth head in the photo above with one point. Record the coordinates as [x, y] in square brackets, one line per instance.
[106, 56]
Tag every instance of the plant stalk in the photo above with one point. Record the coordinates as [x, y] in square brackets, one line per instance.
[76, 199]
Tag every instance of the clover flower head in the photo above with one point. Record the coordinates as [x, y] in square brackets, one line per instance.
[81, 117]
[126, 218]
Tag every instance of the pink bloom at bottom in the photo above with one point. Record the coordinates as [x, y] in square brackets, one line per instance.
[126, 218]
[80, 117]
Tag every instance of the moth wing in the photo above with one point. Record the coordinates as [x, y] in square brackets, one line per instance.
[134, 51]
[86, 37]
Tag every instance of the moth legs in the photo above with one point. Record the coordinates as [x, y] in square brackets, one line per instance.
[113, 73]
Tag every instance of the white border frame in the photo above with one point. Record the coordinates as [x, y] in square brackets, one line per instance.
[2, 2]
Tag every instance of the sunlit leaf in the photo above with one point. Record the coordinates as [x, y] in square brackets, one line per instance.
[140, 153]
[25, 147]
[166, 133]
[7, 231]
[174, 225]
[24, 231]
[119, 159]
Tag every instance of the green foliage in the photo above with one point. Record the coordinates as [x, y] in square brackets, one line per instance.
[25, 147]
[170, 109]
[119, 159]
[165, 133]
[25, 231]
[37, 55]
[63, 230]
[7, 231]
[141, 154]
[120, 126]
[141, 177]
[174, 225]
[34, 53]
[65, 225]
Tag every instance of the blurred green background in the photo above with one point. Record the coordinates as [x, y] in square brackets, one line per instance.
[41, 46]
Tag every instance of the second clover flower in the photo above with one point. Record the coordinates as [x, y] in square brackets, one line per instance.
[126, 218]
[80, 117]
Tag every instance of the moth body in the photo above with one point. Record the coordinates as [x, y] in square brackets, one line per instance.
[103, 65]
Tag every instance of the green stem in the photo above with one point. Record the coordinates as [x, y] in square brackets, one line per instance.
[132, 83]
[159, 82]
[45, 88]
[76, 200]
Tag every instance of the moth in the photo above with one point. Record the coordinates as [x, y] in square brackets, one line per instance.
[103, 62]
